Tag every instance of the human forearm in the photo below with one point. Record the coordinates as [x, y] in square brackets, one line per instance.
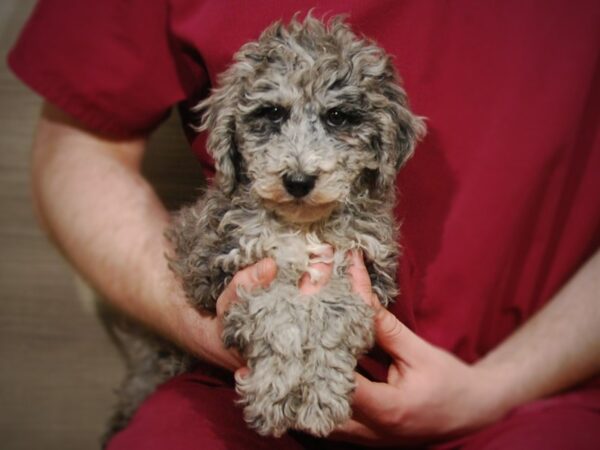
[556, 349]
[109, 223]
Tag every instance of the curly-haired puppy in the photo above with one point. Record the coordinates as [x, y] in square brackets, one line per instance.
[308, 128]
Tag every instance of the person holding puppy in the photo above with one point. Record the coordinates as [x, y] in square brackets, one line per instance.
[494, 339]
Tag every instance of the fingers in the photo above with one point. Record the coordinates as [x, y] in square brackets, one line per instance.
[319, 270]
[319, 275]
[362, 393]
[370, 401]
[208, 345]
[370, 398]
[357, 432]
[257, 275]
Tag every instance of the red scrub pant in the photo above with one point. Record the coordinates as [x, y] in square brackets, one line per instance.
[195, 411]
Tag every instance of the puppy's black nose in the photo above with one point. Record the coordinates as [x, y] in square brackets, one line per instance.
[299, 184]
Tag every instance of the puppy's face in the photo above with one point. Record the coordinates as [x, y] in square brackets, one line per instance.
[309, 117]
[303, 142]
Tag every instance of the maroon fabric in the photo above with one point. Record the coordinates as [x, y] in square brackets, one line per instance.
[564, 422]
[197, 412]
[500, 204]
[193, 411]
[111, 64]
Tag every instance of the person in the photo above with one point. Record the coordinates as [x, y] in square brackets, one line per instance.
[494, 341]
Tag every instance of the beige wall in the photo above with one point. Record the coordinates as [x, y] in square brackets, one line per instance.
[57, 368]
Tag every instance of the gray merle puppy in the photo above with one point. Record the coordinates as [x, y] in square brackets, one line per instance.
[308, 128]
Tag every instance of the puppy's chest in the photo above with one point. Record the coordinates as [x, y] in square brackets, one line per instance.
[293, 251]
[294, 255]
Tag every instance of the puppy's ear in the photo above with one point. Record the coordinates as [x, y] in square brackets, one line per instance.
[407, 128]
[398, 128]
[218, 117]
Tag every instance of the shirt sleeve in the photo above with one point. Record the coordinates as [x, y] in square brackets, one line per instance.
[113, 65]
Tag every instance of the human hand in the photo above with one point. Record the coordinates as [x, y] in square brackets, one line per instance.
[429, 393]
[258, 275]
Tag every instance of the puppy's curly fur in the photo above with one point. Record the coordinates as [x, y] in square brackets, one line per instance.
[308, 128]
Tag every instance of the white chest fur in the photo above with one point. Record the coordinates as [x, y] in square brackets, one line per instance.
[293, 250]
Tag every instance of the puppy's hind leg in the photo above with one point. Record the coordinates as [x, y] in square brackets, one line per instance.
[341, 330]
[267, 329]
[325, 395]
[150, 362]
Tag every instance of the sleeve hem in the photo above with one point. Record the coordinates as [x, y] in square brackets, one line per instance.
[76, 106]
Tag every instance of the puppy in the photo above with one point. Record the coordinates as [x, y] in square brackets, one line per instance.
[308, 128]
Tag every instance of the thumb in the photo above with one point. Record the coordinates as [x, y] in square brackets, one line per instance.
[397, 339]
[261, 274]
[391, 334]
[257, 275]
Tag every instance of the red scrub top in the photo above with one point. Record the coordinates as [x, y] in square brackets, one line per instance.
[500, 204]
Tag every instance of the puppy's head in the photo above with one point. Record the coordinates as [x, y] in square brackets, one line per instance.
[308, 118]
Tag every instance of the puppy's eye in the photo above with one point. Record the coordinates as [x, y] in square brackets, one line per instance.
[335, 117]
[273, 113]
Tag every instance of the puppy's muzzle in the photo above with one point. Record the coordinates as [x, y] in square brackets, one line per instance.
[299, 185]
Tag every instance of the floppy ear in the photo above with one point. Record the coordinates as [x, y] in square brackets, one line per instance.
[407, 128]
[398, 129]
[220, 110]
[218, 117]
